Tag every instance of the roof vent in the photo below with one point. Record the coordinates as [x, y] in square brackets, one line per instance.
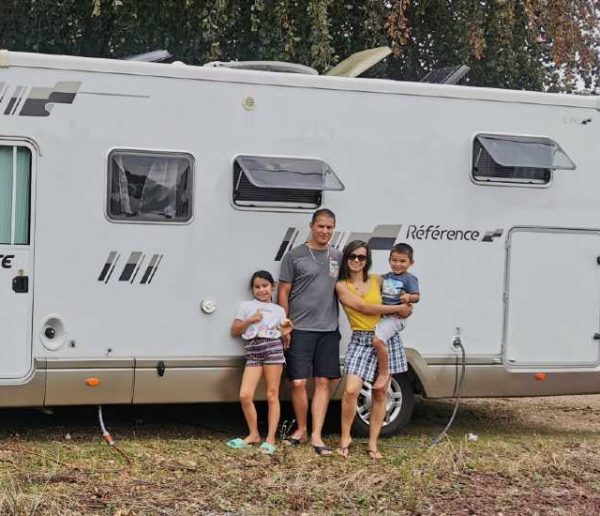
[265, 66]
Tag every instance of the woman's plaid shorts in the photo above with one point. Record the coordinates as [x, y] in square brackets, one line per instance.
[361, 359]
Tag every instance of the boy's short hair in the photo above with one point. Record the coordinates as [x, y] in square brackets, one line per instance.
[402, 249]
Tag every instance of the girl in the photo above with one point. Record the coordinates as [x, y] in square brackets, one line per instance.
[261, 324]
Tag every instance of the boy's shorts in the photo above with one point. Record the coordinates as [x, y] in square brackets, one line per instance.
[261, 352]
[387, 326]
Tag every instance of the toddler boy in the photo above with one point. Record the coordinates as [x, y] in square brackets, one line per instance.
[399, 286]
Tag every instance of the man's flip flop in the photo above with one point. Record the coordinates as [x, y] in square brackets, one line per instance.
[267, 448]
[238, 444]
[292, 441]
[322, 451]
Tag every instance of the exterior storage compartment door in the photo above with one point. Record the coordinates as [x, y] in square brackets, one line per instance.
[16, 261]
[552, 310]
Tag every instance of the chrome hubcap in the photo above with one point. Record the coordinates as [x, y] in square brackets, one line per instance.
[393, 406]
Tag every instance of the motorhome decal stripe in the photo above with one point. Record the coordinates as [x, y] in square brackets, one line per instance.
[335, 240]
[19, 98]
[129, 268]
[12, 101]
[155, 269]
[138, 268]
[3, 90]
[106, 267]
[112, 269]
[284, 244]
[19, 102]
[294, 238]
[149, 269]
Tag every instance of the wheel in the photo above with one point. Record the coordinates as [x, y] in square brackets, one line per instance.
[401, 399]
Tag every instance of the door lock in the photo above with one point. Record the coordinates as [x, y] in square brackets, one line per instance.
[596, 336]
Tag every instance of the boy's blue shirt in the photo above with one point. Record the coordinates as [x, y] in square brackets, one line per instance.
[394, 285]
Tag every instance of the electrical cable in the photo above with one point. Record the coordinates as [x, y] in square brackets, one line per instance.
[458, 383]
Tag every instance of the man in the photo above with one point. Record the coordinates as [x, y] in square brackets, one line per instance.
[307, 293]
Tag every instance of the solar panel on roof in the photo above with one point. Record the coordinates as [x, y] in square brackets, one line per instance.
[447, 75]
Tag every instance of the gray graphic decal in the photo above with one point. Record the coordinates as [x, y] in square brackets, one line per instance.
[382, 238]
[14, 101]
[40, 100]
[490, 235]
[130, 267]
[110, 260]
[151, 269]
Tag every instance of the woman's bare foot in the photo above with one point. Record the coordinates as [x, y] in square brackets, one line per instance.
[381, 381]
[374, 454]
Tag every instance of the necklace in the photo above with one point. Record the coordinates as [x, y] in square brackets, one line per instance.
[360, 289]
[314, 257]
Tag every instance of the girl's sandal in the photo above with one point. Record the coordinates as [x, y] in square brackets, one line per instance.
[374, 454]
[267, 448]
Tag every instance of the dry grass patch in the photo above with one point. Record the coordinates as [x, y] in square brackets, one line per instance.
[522, 464]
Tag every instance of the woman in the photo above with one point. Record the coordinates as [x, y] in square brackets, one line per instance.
[360, 293]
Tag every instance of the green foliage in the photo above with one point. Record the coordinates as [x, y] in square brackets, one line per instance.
[521, 44]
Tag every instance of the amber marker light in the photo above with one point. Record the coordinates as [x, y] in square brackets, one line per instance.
[92, 382]
[540, 376]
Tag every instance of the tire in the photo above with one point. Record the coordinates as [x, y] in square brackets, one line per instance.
[400, 407]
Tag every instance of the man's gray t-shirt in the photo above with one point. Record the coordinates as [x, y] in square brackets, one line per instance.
[313, 274]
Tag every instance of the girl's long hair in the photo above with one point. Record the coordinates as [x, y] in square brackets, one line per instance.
[348, 250]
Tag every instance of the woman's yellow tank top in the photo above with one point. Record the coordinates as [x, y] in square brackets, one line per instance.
[359, 321]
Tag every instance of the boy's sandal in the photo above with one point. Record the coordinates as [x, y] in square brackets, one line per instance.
[238, 444]
[267, 448]
[322, 451]
[374, 454]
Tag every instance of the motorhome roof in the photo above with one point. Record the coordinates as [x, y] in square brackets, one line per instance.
[384, 86]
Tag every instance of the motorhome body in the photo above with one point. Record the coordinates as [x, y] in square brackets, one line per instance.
[137, 198]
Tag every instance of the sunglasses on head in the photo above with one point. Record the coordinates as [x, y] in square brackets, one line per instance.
[359, 257]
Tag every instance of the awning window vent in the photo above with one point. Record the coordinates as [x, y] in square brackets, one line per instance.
[517, 159]
[266, 181]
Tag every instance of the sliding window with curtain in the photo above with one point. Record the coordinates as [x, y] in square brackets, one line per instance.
[15, 195]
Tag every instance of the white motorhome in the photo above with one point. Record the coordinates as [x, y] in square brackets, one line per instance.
[137, 198]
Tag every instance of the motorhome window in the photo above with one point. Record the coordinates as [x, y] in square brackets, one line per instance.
[517, 159]
[15, 194]
[265, 181]
[149, 186]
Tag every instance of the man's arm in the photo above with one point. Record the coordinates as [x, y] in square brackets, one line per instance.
[283, 296]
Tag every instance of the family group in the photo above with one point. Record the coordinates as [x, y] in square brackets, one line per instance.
[301, 332]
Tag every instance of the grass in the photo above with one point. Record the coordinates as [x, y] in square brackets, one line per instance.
[531, 457]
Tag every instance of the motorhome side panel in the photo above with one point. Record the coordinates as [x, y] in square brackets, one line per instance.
[405, 162]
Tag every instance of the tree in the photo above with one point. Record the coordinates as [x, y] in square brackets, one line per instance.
[522, 44]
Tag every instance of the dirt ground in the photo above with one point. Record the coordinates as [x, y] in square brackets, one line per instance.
[504, 456]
